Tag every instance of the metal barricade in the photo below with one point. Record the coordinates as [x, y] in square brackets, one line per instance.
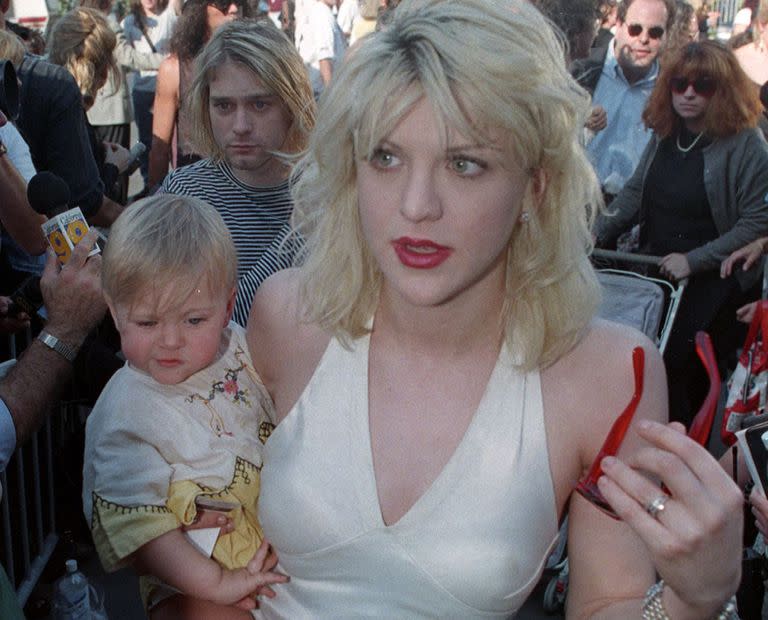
[27, 509]
[728, 10]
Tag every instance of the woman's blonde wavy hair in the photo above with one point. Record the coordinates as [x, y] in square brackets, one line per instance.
[272, 58]
[83, 43]
[481, 65]
[11, 48]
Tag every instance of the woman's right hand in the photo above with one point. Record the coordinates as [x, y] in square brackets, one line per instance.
[750, 254]
[205, 519]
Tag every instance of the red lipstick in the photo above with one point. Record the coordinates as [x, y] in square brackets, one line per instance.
[420, 253]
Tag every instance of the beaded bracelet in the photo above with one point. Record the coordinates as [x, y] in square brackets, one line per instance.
[653, 608]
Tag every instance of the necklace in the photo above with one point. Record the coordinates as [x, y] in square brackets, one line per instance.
[690, 146]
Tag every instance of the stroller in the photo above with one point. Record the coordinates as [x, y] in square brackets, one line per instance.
[647, 303]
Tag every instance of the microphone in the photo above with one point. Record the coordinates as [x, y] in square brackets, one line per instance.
[48, 194]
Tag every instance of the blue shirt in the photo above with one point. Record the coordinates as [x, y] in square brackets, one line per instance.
[18, 153]
[7, 436]
[615, 151]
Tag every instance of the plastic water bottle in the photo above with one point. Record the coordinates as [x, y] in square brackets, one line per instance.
[74, 598]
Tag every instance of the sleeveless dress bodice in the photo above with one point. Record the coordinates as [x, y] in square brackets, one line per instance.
[472, 546]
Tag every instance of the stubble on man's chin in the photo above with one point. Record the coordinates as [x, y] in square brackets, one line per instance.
[632, 71]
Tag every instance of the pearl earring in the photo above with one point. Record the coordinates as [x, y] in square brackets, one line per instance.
[525, 217]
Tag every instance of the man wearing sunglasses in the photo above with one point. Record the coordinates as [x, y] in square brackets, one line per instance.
[621, 79]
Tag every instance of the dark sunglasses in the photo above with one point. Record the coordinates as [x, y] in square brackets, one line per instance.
[654, 32]
[223, 5]
[703, 86]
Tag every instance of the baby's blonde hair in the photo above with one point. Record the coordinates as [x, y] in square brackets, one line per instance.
[483, 65]
[163, 242]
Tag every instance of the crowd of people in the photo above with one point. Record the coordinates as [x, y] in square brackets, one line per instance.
[350, 317]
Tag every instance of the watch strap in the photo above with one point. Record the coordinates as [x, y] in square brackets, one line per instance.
[52, 342]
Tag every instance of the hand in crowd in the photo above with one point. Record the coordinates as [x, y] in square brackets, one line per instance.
[750, 254]
[598, 119]
[695, 540]
[675, 266]
[760, 511]
[117, 155]
[11, 324]
[72, 292]
[746, 313]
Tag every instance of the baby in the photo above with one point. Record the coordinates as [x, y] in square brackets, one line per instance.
[182, 424]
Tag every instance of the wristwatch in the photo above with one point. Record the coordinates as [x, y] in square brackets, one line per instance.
[52, 342]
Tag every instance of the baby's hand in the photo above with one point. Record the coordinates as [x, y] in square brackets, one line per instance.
[254, 580]
[263, 562]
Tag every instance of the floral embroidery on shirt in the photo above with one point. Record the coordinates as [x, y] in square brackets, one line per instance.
[229, 388]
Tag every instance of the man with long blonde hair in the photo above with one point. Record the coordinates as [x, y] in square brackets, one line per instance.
[250, 109]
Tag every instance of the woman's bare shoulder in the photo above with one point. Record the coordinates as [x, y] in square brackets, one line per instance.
[587, 389]
[169, 68]
[605, 342]
[595, 380]
[285, 348]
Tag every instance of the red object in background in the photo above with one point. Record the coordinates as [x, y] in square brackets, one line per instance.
[702, 423]
[275, 6]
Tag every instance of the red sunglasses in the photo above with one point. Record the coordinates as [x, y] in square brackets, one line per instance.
[698, 431]
[703, 86]
[654, 32]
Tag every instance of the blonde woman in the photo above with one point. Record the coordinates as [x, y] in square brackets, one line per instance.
[83, 43]
[753, 55]
[439, 380]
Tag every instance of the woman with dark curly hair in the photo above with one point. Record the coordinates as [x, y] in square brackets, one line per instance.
[199, 19]
[576, 19]
[700, 191]
[685, 26]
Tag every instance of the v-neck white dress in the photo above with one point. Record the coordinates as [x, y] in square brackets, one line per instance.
[472, 546]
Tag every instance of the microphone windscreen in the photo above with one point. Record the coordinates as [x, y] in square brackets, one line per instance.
[48, 193]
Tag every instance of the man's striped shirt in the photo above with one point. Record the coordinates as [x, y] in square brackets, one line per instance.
[257, 217]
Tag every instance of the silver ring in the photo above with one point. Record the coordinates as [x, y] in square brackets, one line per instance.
[656, 506]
